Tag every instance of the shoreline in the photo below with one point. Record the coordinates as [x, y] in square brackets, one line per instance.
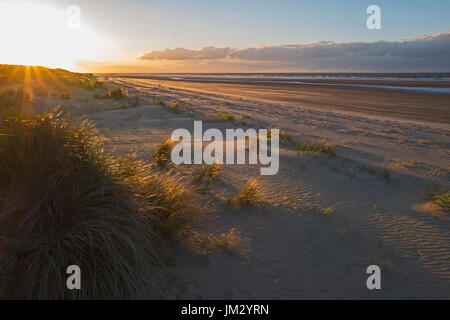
[423, 108]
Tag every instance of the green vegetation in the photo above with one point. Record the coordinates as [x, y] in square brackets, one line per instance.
[171, 200]
[438, 195]
[442, 200]
[63, 202]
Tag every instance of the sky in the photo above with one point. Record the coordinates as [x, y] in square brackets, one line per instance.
[236, 36]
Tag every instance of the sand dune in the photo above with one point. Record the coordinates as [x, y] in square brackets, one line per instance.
[295, 247]
[322, 219]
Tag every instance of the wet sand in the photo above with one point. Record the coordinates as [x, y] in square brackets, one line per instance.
[407, 105]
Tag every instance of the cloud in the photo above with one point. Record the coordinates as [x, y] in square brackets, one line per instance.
[425, 52]
[205, 53]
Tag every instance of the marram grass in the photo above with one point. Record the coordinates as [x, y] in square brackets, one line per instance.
[64, 202]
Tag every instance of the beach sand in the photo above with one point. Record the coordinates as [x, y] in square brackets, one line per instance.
[325, 219]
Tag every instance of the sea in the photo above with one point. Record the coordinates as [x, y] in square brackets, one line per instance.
[437, 83]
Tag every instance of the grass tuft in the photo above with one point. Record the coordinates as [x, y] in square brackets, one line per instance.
[230, 242]
[249, 197]
[225, 116]
[285, 138]
[118, 93]
[438, 195]
[163, 153]
[207, 174]
[159, 103]
[64, 202]
[317, 147]
[377, 171]
[171, 200]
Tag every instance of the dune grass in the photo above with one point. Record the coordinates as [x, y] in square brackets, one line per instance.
[171, 200]
[285, 138]
[64, 202]
[377, 171]
[317, 147]
[159, 103]
[438, 195]
[42, 80]
[224, 116]
[231, 242]
[117, 93]
[207, 175]
[162, 155]
[442, 200]
[250, 196]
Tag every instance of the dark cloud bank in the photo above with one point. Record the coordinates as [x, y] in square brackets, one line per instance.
[421, 53]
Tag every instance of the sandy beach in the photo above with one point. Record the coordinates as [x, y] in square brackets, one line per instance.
[326, 218]
[222, 155]
[337, 95]
[363, 179]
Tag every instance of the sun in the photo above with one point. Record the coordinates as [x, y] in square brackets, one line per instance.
[38, 34]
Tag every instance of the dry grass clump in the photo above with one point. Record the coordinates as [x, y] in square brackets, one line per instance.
[63, 202]
[225, 116]
[231, 242]
[91, 85]
[442, 200]
[285, 138]
[117, 93]
[377, 171]
[317, 147]
[438, 195]
[159, 103]
[250, 196]
[175, 108]
[171, 200]
[207, 174]
[163, 153]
